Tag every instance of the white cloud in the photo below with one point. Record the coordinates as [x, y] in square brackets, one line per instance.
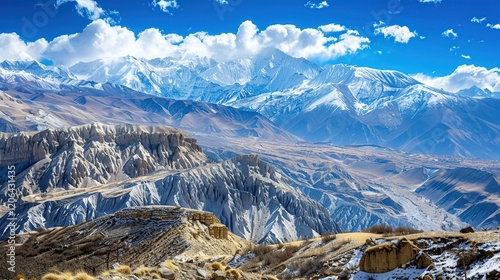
[97, 40]
[320, 5]
[222, 2]
[464, 77]
[493, 26]
[449, 33]
[166, 6]
[100, 40]
[454, 48]
[478, 20]
[465, 56]
[86, 8]
[401, 34]
[332, 27]
[429, 1]
[12, 47]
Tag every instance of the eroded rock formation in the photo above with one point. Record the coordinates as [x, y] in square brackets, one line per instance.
[95, 154]
[389, 256]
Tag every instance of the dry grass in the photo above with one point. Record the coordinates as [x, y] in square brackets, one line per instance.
[311, 264]
[387, 230]
[170, 265]
[155, 275]
[105, 274]
[57, 276]
[217, 266]
[327, 238]
[124, 269]
[51, 276]
[278, 256]
[141, 271]
[81, 275]
[234, 273]
[261, 250]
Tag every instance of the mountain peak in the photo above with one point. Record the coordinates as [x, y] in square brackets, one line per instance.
[475, 91]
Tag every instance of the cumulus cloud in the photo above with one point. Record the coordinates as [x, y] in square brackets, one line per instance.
[12, 47]
[465, 56]
[332, 27]
[222, 2]
[478, 20]
[464, 77]
[449, 33]
[493, 26]
[100, 40]
[319, 5]
[401, 34]
[166, 6]
[86, 8]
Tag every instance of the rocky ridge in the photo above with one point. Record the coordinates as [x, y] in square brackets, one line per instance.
[94, 154]
[146, 235]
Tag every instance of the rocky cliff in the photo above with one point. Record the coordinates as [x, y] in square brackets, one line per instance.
[246, 194]
[94, 154]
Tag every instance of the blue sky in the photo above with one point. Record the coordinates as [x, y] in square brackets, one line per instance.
[430, 37]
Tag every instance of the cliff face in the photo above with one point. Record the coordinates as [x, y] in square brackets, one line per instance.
[244, 193]
[95, 154]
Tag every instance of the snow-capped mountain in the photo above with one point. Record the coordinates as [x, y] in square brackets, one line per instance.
[340, 104]
[157, 76]
[271, 68]
[476, 92]
[36, 68]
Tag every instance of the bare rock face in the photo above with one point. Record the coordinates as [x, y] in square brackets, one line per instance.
[389, 256]
[95, 154]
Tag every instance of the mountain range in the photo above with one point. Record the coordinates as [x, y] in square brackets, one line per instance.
[339, 104]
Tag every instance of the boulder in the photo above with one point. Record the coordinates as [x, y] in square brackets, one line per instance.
[468, 229]
[388, 256]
